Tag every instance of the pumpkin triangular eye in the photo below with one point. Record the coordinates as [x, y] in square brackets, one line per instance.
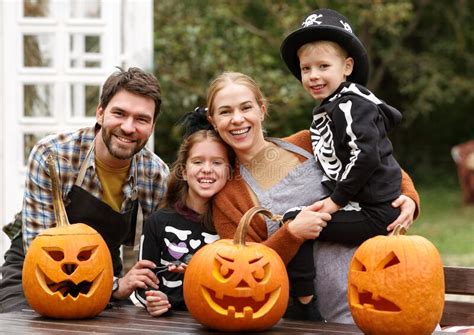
[357, 265]
[86, 253]
[55, 254]
[390, 260]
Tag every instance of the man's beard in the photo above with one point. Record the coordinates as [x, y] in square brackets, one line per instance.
[117, 151]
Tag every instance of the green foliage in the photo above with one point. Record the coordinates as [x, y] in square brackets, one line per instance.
[421, 55]
[447, 223]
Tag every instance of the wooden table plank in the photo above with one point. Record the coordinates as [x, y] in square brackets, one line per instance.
[133, 320]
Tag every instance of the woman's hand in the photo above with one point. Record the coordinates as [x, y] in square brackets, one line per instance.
[157, 303]
[309, 222]
[139, 276]
[407, 211]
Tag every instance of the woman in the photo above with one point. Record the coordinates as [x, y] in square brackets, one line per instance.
[279, 174]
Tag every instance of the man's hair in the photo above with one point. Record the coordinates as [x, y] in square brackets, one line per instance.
[135, 81]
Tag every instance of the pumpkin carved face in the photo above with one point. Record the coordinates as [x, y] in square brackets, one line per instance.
[396, 285]
[231, 286]
[68, 273]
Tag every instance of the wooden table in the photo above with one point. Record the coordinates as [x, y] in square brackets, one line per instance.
[134, 320]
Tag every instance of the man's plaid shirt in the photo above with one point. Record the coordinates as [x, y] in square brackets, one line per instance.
[70, 150]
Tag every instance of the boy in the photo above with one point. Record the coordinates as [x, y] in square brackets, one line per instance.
[348, 134]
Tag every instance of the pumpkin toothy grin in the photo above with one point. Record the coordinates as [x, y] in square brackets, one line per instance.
[368, 300]
[67, 287]
[240, 307]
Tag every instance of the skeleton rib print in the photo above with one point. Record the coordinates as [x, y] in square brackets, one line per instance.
[323, 145]
[322, 137]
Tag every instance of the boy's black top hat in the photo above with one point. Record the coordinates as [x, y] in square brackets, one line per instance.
[329, 25]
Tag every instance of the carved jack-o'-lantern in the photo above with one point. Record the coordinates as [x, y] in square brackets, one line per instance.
[67, 271]
[396, 285]
[233, 286]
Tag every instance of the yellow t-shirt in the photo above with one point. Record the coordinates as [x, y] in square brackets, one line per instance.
[112, 180]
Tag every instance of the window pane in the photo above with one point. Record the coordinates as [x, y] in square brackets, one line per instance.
[29, 141]
[37, 100]
[36, 8]
[92, 64]
[92, 44]
[85, 51]
[84, 100]
[85, 8]
[37, 50]
[92, 99]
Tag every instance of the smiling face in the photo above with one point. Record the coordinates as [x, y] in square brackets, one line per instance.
[324, 66]
[236, 110]
[206, 172]
[126, 124]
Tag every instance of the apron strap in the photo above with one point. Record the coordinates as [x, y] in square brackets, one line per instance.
[139, 218]
[84, 166]
[139, 228]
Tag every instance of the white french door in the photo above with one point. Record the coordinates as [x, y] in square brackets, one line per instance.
[55, 55]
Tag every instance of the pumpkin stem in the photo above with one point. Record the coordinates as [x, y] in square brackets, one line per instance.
[399, 230]
[241, 232]
[58, 204]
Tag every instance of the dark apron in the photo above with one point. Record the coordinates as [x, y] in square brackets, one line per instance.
[116, 229]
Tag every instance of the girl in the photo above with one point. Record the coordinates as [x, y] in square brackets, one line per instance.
[183, 223]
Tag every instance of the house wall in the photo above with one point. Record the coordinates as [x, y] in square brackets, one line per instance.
[122, 35]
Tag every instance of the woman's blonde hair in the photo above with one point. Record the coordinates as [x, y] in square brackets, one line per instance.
[233, 78]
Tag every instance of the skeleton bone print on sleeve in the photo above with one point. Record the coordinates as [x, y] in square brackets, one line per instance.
[322, 137]
[178, 244]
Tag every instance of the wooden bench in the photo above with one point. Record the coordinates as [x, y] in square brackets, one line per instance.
[460, 282]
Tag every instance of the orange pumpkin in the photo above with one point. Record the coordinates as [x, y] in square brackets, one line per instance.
[231, 285]
[396, 285]
[67, 271]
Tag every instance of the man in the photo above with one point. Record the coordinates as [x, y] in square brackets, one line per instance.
[109, 180]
